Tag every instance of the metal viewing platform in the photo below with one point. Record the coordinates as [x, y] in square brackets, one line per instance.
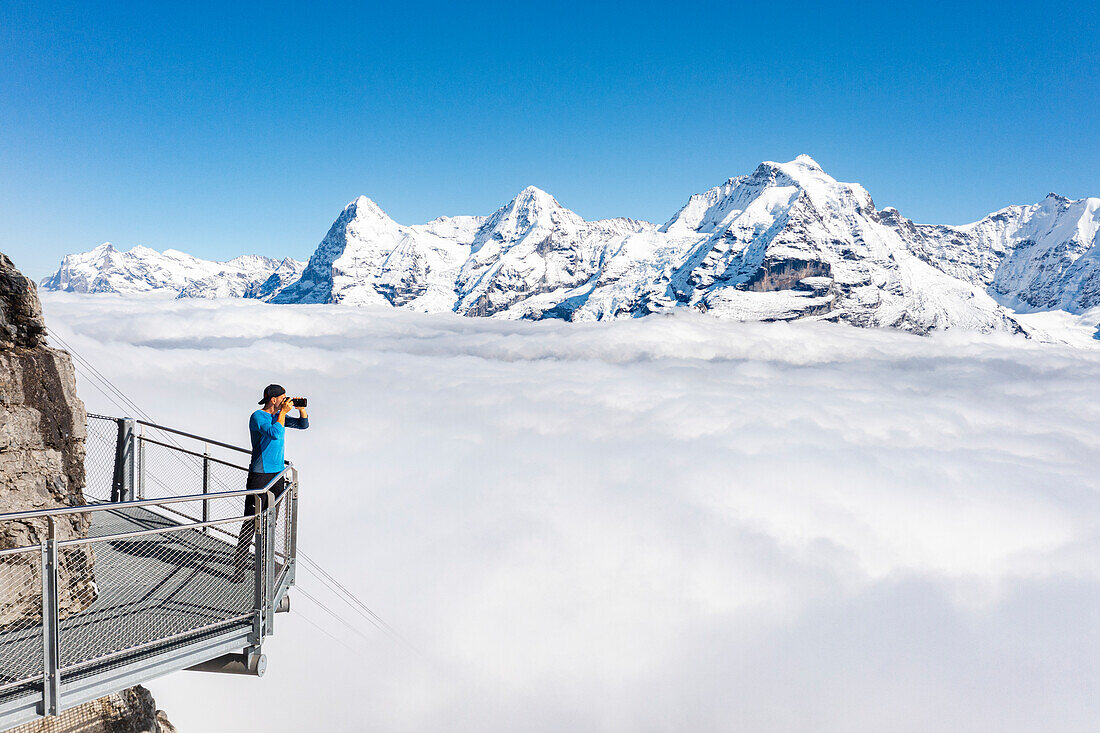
[162, 570]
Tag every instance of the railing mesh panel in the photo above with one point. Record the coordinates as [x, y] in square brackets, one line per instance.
[20, 619]
[157, 586]
[99, 458]
[164, 472]
[282, 531]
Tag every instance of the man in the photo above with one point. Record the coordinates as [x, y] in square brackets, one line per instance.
[266, 427]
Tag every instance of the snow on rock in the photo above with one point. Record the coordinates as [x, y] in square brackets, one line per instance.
[287, 273]
[530, 248]
[1030, 258]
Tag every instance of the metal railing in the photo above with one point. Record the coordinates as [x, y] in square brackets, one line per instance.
[171, 564]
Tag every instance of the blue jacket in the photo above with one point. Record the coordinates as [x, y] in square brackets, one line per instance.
[267, 440]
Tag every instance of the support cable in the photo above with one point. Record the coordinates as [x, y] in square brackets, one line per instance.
[93, 374]
[332, 613]
[356, 603]
[305, 618]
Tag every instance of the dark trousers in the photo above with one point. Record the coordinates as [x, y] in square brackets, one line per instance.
[251, 528]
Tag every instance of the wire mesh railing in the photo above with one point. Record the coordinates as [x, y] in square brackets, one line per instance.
[20, 617]
[171, 549]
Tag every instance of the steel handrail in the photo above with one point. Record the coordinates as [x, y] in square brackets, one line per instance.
[195, 453]
[148, 424]
[112, 505]
[191, 435]
[17, 550]
[272, 506]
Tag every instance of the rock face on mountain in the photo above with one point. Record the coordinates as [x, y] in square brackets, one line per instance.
[785, 242]
[287, 273]
[139, 270]
[41, 453]
[42, 431]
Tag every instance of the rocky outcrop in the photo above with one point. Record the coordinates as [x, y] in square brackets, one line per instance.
[130, 711]
[41, 453]
[785, 274]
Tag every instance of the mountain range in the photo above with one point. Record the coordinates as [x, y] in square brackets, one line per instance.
[785, 242]
[141, 269]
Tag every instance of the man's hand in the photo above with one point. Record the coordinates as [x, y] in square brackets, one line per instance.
[287, 406]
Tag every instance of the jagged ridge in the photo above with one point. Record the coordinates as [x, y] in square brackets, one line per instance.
[784, 242]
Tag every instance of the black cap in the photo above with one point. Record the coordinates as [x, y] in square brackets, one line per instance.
[271, 390]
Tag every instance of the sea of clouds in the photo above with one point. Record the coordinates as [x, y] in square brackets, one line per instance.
[670, 523]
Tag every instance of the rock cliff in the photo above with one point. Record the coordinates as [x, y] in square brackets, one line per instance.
[41, 452]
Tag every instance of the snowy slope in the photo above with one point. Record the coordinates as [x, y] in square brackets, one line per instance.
[108, 270]
[1030, 258]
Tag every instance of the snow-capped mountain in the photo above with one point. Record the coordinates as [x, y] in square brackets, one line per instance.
[787, 241]
[108, 270]
[531, 251]
[368, 258]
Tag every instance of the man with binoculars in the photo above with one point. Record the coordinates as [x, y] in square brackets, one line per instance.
[267, 427]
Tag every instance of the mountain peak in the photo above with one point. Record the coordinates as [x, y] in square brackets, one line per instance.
[800, 171]
[105, 269]
[532, 205]
[806, 161]
[534, 197]
[363, 210]
[531, 209]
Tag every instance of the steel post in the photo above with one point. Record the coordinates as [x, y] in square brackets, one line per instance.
[206, 484]
[122, 487]
[292, 550]
[270, 525]
[139, 444]
[259, 628]
[51, 613]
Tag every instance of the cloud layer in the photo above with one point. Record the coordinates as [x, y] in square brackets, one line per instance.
[671, 523]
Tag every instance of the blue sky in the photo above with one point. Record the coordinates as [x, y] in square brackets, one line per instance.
[224, 130]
